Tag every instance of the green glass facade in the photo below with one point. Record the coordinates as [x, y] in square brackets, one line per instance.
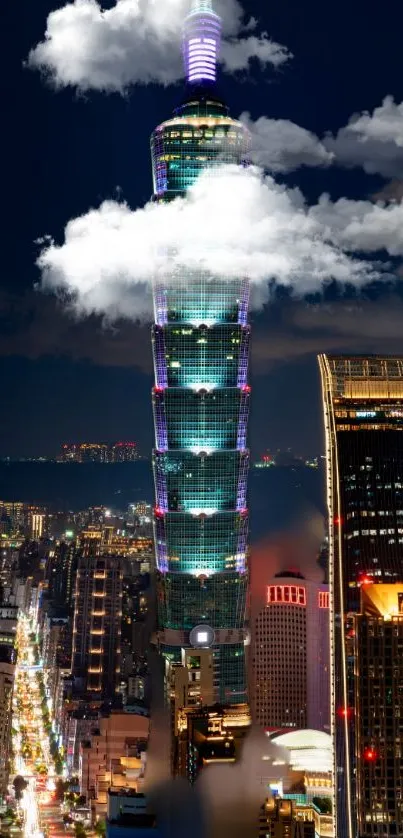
[201, 401]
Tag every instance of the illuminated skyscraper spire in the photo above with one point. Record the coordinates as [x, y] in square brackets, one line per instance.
[201, 43]
[201, 394]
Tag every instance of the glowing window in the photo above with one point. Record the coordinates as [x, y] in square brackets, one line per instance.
[287, 594]
[323, 599]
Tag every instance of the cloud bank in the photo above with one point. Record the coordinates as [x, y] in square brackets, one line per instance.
[265, 231]
[298, 330]
[280, 145]
[373, 142]
[138, 42]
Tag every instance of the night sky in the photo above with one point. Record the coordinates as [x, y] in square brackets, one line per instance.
[64, 152]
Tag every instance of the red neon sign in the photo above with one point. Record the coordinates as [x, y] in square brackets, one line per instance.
[323, 599]
[286, 594]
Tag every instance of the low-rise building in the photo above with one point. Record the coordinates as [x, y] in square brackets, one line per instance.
[128, 815]
[112, 755]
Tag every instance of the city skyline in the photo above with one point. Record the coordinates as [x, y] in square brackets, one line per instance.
[44, 350]
[144, 642]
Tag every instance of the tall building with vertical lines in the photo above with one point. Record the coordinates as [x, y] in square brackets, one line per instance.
[363, 410]
[201, 394]
[378, 694]
[97, 622]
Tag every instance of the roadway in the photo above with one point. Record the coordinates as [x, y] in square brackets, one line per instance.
[41, 811]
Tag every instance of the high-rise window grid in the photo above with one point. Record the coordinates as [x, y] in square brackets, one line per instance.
[203, 544]
[201, 401]
[219, 600]
[190, 357]
[201, 421]
[214, 482]
[199, 298]
[181, 152]
[363, 406]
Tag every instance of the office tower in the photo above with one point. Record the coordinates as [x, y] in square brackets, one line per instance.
[8, 624]
[13, 513]
[363, 410]
[70, 453]
[280, 820]
[123, 452]
[201, 394]
[378, 681]
[62, 575]
[190, 683]
[208, 735]
[290, 655]
[37, 521]
[97, 621]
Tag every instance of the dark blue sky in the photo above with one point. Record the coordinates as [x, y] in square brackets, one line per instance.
[63, 153]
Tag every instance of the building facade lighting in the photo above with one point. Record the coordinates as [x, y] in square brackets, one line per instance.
[362, 399]
[201, 395]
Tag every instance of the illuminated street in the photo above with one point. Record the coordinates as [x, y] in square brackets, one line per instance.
[32, 756]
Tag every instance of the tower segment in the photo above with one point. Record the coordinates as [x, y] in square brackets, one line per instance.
[201, 42]
[201, 395]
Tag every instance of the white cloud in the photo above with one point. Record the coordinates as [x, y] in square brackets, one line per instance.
[237, 53]
[372, 141]
[392, 191]
[362, 225]
[239, 222]
[282, 146]
[136, 42]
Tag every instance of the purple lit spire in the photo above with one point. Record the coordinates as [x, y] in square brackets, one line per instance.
[201, 43]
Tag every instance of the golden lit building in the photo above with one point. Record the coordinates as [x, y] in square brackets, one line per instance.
[98, 452]
[209, 735]
[363, 413]
[190, 683]
[280, 819]
[378, 669]
[97, 620]
[112, 756]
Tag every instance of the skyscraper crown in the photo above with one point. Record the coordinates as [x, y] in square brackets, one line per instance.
[201, 43]
[202, 6]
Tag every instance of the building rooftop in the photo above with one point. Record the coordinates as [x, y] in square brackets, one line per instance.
[363, 377]
[310, 750]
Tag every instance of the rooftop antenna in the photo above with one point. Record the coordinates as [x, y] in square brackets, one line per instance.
[201, 43]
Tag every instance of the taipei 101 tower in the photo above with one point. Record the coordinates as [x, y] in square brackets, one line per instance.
[201, 394]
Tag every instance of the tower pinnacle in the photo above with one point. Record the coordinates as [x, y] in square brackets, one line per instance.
[201, 43]
[202, 6]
